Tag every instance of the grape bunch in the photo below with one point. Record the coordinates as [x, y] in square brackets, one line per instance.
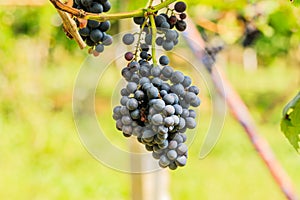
[155, 107]
[94, 32]
[165, 24]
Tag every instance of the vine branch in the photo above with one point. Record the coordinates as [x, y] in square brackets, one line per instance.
[154, 31]
[104, 16]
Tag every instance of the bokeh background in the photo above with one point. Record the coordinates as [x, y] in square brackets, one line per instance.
[41, 155]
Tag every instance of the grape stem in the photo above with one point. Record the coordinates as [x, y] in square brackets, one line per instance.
[103, 16]
[154, 31]
[139, 39]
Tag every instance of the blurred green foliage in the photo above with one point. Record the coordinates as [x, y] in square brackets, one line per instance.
[41, 156]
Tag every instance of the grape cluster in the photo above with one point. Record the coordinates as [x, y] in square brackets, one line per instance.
[94, 33]
[155, 107]
[209, 57]
[165, 24]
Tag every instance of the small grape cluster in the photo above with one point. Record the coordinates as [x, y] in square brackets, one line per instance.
[155, 108]
[168, 38]
[209, 57]
[94, 32]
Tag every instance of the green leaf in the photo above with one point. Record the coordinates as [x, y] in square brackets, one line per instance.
[295, 2]
[290, 123]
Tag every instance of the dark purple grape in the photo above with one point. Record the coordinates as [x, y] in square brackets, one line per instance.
[172, 20]
[181, 25]
[129, 56]
[182, 16]
[139, 20]
[96, 35]
[96, 8]
[180, 6]
[104, 26]
[106, 6]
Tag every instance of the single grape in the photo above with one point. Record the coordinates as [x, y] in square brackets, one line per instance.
[152, 93]
[165, 25]
[134, 66]
[167, 71]
[106, 6]
[127, 131]
[180, 6]
[172, 155]
[159, 104]
[129, 56]
[169, 99]
[194, 89]
[172, 145]
[182, 149]
[99, 48]
[131, 87]
[168, 45]
[178, 109]
[96, 8]
[192, 114]
[189, 97]
[170, 35]
[164, 161]
[155, 71]
[182, 123]
[177, 77]
[176, 119]
[156, 81]
[157, 119]
[96, 35]
[196, 102]
[159, 41]
[93, 23]
[169, 110]
[168, 121]
[187, 81]
[164, 60]
[128, 39]
[132, 104]
[126, 120]
[104, 26]
[163, 93]
[139, 20]
[135, 114]
[178, 89]
[124, 100]
[159, 19]
[107, 40]
[144, 47]
[144, 80]
[144, 55]
[180, 25]
[181, 161]
[172, 20]
[84, 31]
[182, 16]
[126, 73]
[90, 42]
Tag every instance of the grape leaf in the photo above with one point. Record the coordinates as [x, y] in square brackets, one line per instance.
[290, 123]
[295, 2]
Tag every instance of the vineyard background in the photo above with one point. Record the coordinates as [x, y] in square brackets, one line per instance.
[41, 155]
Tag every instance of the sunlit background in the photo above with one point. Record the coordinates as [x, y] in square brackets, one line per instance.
[41, 155]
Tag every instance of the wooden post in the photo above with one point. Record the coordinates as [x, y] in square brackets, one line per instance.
[151, 185]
